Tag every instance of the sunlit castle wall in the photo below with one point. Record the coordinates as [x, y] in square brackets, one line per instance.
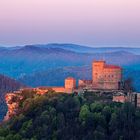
[70, 84]
[106, 76]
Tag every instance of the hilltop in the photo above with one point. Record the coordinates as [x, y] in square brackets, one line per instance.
[63, 116]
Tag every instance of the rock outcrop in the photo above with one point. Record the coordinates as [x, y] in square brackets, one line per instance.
[7, 84]
[12, 101]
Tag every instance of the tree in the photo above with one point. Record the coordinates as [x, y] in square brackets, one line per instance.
[84, 112]
[3, 132]
[98, 135]
[17, 137]
[96, 107]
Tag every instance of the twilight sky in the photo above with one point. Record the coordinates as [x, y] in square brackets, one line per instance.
[87, 22]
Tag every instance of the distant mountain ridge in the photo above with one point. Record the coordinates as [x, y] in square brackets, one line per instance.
[94, 49]
[80, 48]
[87, 49]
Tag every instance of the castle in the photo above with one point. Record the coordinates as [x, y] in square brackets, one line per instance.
[104, 77]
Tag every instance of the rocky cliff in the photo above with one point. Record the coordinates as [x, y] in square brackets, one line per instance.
[15, 100]
[12, 101]
[6, 85]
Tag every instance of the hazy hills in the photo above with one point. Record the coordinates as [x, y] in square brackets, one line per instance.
[80, 48]
[37, 65]
[94, 49]
[17, 62]
[56, 76]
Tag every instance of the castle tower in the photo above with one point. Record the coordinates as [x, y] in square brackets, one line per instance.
[70, 84]
[97, 72]
[106, 76]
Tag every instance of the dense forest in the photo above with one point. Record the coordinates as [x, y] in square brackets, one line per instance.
[58, 116]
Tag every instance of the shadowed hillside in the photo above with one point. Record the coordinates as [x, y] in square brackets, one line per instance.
[6, 85]
[55, 77]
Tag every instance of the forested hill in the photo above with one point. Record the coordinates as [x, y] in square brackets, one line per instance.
[6, 85]
[56, 116]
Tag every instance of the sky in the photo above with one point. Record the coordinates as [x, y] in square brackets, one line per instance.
[87, 22]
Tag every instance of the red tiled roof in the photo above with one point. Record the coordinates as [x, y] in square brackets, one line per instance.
[112, 67]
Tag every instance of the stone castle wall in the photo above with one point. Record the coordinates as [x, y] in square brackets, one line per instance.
[106, 76]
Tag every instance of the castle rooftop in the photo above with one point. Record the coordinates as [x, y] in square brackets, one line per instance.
[112, 67]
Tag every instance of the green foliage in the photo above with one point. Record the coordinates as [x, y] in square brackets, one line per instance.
[84, 113]
[3, 132]
[96, 107]
[56, 116]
